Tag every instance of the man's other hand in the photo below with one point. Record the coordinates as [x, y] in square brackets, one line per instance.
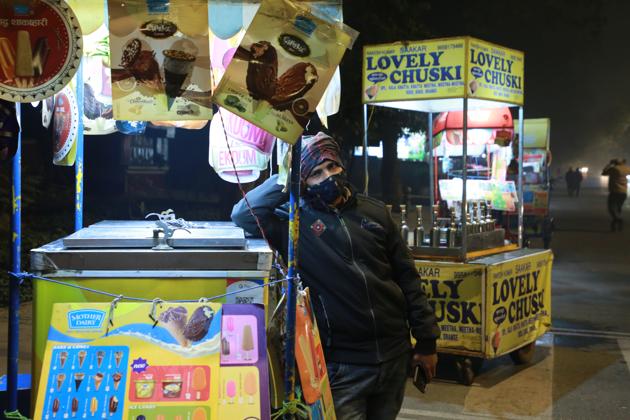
[428, 361]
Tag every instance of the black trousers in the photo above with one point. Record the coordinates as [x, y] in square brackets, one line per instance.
[615, 205]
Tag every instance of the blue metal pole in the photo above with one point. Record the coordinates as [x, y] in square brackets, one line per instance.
[14, 284]
[78, 165]
[294, 230]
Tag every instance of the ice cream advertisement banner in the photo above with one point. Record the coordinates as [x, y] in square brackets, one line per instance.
[243, 153]
[98, 118]
[282, 67]
[495, 73]
[454, 292]
[309, 356]
[65, 126]
[160, 60]
[196, 361]
[518, 302]
[502, 195]
[415, 70]
[40, 48]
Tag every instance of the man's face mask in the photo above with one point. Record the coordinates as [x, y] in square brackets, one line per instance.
[329, 190]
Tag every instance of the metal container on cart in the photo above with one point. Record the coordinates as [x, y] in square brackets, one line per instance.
[133, 258]
[490, 306]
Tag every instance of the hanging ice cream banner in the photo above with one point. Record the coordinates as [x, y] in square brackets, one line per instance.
[48, 107]
[98, 118]
[160, 60]
[195, 361]
[65, 126]
[244, 153]
[91, 14]
[9, 130]
[282, 67]
[40, 48]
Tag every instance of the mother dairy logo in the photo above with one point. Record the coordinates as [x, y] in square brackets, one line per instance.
[86, 319]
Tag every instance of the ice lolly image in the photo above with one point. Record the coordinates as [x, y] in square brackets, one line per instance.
[230, 391]
[174, 320]
[199, 414]
[248, 342]
[116, 377]
[75, 407]
[61, 377]
[93, 406]
[99, 357]
[496, 341]
[199, 381]
[78, 378]
[118, 357]
[82, 354]
[98, 379]
[24, 55]
[199, 323]
[7, 60]
[250, 386]
[177, 66]
[63, 356]
[371, 91]
[113, 405]
[40, 56]
[55, 407]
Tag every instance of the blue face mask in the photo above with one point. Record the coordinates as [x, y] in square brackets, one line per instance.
[327, 191]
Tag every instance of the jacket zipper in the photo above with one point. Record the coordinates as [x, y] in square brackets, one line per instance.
[329, 338]
[367, 289]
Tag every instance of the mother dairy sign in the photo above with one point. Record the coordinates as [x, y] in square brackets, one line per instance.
[442, 68]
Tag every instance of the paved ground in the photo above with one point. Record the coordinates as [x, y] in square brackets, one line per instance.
[579, 372]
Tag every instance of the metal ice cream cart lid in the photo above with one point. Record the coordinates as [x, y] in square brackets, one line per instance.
[148, 234]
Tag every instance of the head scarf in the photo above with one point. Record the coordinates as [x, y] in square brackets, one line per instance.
[316, 150]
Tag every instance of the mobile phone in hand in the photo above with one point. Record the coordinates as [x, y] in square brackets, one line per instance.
[420, 378]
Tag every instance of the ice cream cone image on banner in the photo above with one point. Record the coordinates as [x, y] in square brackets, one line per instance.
[61, 377]
[177, 67]
[117, 357]
[116, 377]
[81, 355]
[63, 356]
[78, 378]
[99, 358]
[98, 379]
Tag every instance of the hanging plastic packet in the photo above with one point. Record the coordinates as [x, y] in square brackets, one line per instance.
[282, 67]
[131, 127]
[48, 106]
[9, 130]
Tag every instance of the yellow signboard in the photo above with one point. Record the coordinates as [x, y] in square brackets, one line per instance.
[494, 73]
[199, 361]
[454, 291]
[440, 69]
[414, 71]
[518, 302]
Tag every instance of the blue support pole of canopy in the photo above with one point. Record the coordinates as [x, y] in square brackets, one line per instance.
[78, 164]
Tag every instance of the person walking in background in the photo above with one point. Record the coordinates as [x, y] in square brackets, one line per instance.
[577, 181]
[569, 177]
[616, 171]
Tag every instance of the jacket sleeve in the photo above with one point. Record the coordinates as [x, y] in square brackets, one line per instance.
[263, 201]
[420, 314]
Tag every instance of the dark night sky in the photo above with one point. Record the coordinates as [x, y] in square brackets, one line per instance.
[577, 66]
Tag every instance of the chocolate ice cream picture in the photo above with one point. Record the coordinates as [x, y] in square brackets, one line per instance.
[177, 67]
[293, 84]
[199, 323]
[174, 320]
[262, 70]
[141, 64]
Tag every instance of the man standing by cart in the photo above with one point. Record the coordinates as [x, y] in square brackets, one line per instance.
[617, 171]
[365, 288]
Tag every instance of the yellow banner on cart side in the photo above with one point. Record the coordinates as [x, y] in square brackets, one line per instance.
[414, 71]
[494, 72]
[518, 299]
[454, 291]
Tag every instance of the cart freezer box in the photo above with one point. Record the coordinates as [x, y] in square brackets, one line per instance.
[207, 259]
[490, 306]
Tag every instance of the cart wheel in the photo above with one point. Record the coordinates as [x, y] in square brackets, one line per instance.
[465, 370]
[524, 354]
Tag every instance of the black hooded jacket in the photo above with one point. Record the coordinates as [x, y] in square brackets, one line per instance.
[365, 288]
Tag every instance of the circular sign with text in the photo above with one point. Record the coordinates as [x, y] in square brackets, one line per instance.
[40, 48]
[65, 127]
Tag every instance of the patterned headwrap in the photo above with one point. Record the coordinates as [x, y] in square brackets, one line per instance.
[317, 149]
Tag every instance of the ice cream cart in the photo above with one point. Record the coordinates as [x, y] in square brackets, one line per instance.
[137, 258]
[491, 296]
